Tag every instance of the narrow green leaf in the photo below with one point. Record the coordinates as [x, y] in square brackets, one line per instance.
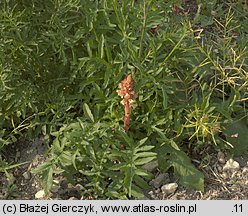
[88, 112]
[118, 166]
[143, 161]
[141, 142]
[89, 49]
[160, 133]
[102, 46]
[145, 154]
[140, 182]
[48, 179]
[144, 148]
[129, 174]
[165, 97]
[108, 52]
[127, 139]
[74, 158]
[136, 192]
[65, 158]
[141, 172]
[41, 168]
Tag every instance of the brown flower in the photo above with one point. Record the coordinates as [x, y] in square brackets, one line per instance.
[127, 94]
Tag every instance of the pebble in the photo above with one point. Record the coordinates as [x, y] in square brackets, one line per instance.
[55, 181]
[55, 188]
[151, 193]
[225, 175]
[231, 165]
[245, 170]
[221, 157]
[169, 188]
[26, 175]
[79, 187]
[73, 198]
[151, 166]
[161, 179]
[64, 184]
[40, 194]
[219, 168]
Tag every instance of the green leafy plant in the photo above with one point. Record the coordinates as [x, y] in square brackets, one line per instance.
[61, 64]
[95, 152]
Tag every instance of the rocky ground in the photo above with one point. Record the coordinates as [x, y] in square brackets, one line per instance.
[224, 179]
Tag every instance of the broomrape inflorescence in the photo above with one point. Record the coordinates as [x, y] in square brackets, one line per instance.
[126, 92]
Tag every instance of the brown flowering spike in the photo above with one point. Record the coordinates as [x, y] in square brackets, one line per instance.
[127, 94]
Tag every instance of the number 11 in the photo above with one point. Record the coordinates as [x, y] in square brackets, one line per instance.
[238, 208]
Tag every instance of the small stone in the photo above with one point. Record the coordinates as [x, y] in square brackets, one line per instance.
[40, 194]
[224, 175]
[169, 188]
[64, 184]
[55, 181]
[221, 157]
[62, 191]
[55, 188]
[161, 179]
[231, 165]
[26, 175]
[73, 198]
[219, 168]
[79, 187]
[70, 186]
[245, 170]
[213, 13]
[157, 191]
[150, 193]
[151, 166]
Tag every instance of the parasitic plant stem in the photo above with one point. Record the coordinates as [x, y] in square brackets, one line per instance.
[127, 94]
